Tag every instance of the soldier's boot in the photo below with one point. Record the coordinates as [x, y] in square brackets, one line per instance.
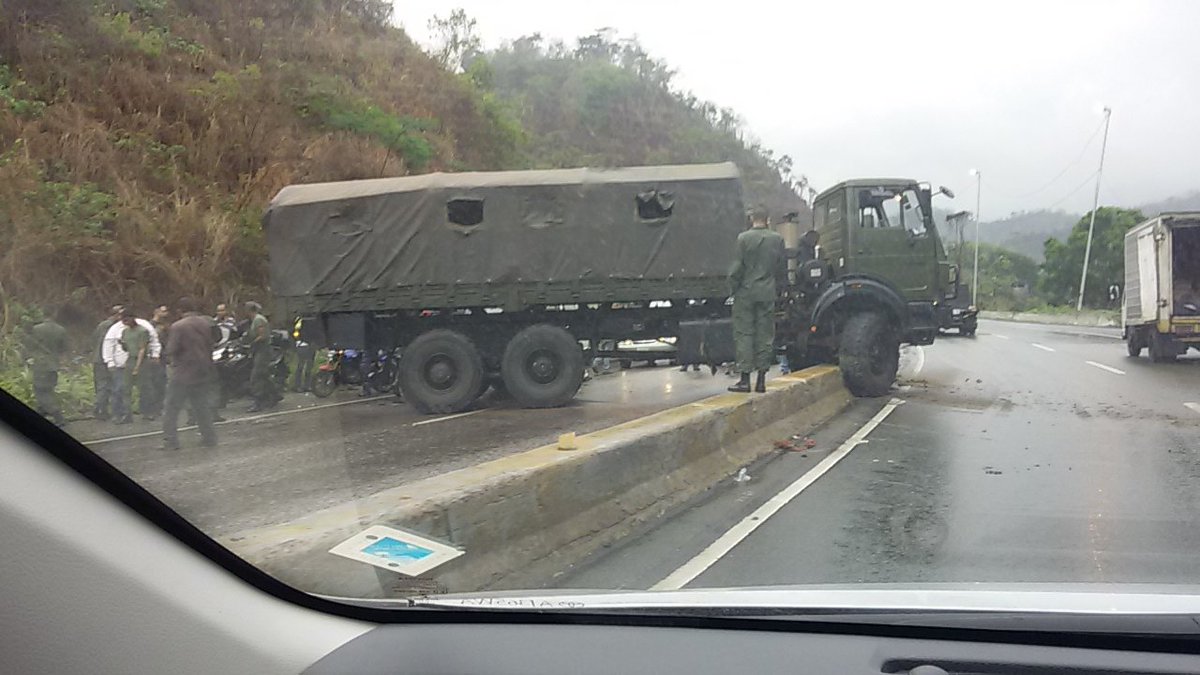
[760, 385]
[742, 386]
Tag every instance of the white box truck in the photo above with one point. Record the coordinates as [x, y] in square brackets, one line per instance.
[1161, 312]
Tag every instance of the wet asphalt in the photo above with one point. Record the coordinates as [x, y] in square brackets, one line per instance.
[311, 453]
[1027, 454]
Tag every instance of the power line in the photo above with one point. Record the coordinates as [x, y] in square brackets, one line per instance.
[1060, 174]
[1072, 192]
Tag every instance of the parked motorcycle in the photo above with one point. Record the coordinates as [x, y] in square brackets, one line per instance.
[232, 358]
[383, 375]
[342, 366]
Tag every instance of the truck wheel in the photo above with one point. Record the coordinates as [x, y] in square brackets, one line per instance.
[869, 355]
[441, 372]
[542, 366]
[1133, 343]
[324, 384]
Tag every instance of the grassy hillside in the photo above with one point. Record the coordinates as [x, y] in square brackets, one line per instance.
[605, 101]
[141, 139]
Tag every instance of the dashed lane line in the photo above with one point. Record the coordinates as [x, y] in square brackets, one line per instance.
[1002, 337]
[719, 548]
[1194, 407]
[1101, 366]
[1043, 347]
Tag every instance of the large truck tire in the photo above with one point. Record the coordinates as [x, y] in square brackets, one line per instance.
[441, 372]
[542, 366]
[1133, 343]
[870, 354]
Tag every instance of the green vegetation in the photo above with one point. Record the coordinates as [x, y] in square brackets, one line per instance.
[140, 140]
[1007, 279]
[1059, 283]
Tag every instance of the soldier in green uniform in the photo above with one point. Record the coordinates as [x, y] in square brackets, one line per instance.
[101, 379]
[45, 346]
[258, 336]
[759, 262]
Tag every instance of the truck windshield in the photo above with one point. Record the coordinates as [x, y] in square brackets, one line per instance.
[891, 207]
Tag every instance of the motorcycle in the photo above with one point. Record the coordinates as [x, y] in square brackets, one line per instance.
[342, 366]
[384, 373]
[234, 363]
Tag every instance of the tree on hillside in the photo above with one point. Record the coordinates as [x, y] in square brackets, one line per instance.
[456, 40]
[1064, 261]
[607, 102]
[1006, 278]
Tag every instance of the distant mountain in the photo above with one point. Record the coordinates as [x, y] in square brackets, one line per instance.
[1027, 231]
[1188, 202]
[1024, 231]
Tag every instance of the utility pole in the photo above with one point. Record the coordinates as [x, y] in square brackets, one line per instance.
[1087, 252]
[975, 273]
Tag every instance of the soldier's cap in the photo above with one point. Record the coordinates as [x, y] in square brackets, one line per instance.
[126, 313]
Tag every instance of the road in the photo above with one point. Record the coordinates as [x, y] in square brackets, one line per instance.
[311, 453]
[1031, 453]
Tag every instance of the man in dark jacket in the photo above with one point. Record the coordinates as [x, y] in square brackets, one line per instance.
[191, 374]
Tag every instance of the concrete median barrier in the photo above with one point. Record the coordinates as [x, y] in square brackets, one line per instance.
[523, 518]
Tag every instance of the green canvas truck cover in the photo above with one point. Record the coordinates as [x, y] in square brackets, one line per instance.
[509, 238]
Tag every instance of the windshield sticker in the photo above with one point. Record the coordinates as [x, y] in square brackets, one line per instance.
[396, 550]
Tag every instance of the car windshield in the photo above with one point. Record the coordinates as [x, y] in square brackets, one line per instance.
[421, 298]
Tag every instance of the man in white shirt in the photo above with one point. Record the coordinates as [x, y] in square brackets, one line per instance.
[117, 355]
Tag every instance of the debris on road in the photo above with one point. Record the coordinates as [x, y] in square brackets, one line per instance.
[742, 476]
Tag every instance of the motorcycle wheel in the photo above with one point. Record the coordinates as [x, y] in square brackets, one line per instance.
[324, 384]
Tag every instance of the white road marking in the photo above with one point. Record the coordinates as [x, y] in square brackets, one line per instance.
[252, 418]
[1195, 407]
[443, 418]
[1043, 347]
[1101, 366]
[1002, 337]
[734, 536]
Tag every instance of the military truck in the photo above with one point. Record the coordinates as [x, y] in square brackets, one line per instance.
[513, 279]
[1161, 309]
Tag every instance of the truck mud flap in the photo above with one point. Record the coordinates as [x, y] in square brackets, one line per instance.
[705, 341]
[922, 323]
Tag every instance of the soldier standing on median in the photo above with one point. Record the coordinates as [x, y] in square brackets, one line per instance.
[45, 346]
[758, 262]
[101, 380]
[191, 374]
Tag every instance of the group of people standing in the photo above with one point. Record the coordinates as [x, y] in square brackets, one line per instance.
[169, 362]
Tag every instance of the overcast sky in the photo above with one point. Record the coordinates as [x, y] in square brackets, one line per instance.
[925, 90]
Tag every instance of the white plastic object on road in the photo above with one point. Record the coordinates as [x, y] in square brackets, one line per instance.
[742, 476]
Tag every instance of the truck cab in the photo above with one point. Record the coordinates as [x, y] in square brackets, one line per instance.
[873, 277]
[882, 229]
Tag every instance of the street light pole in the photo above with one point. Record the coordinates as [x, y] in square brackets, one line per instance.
[975, 273]
[1087, 251]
